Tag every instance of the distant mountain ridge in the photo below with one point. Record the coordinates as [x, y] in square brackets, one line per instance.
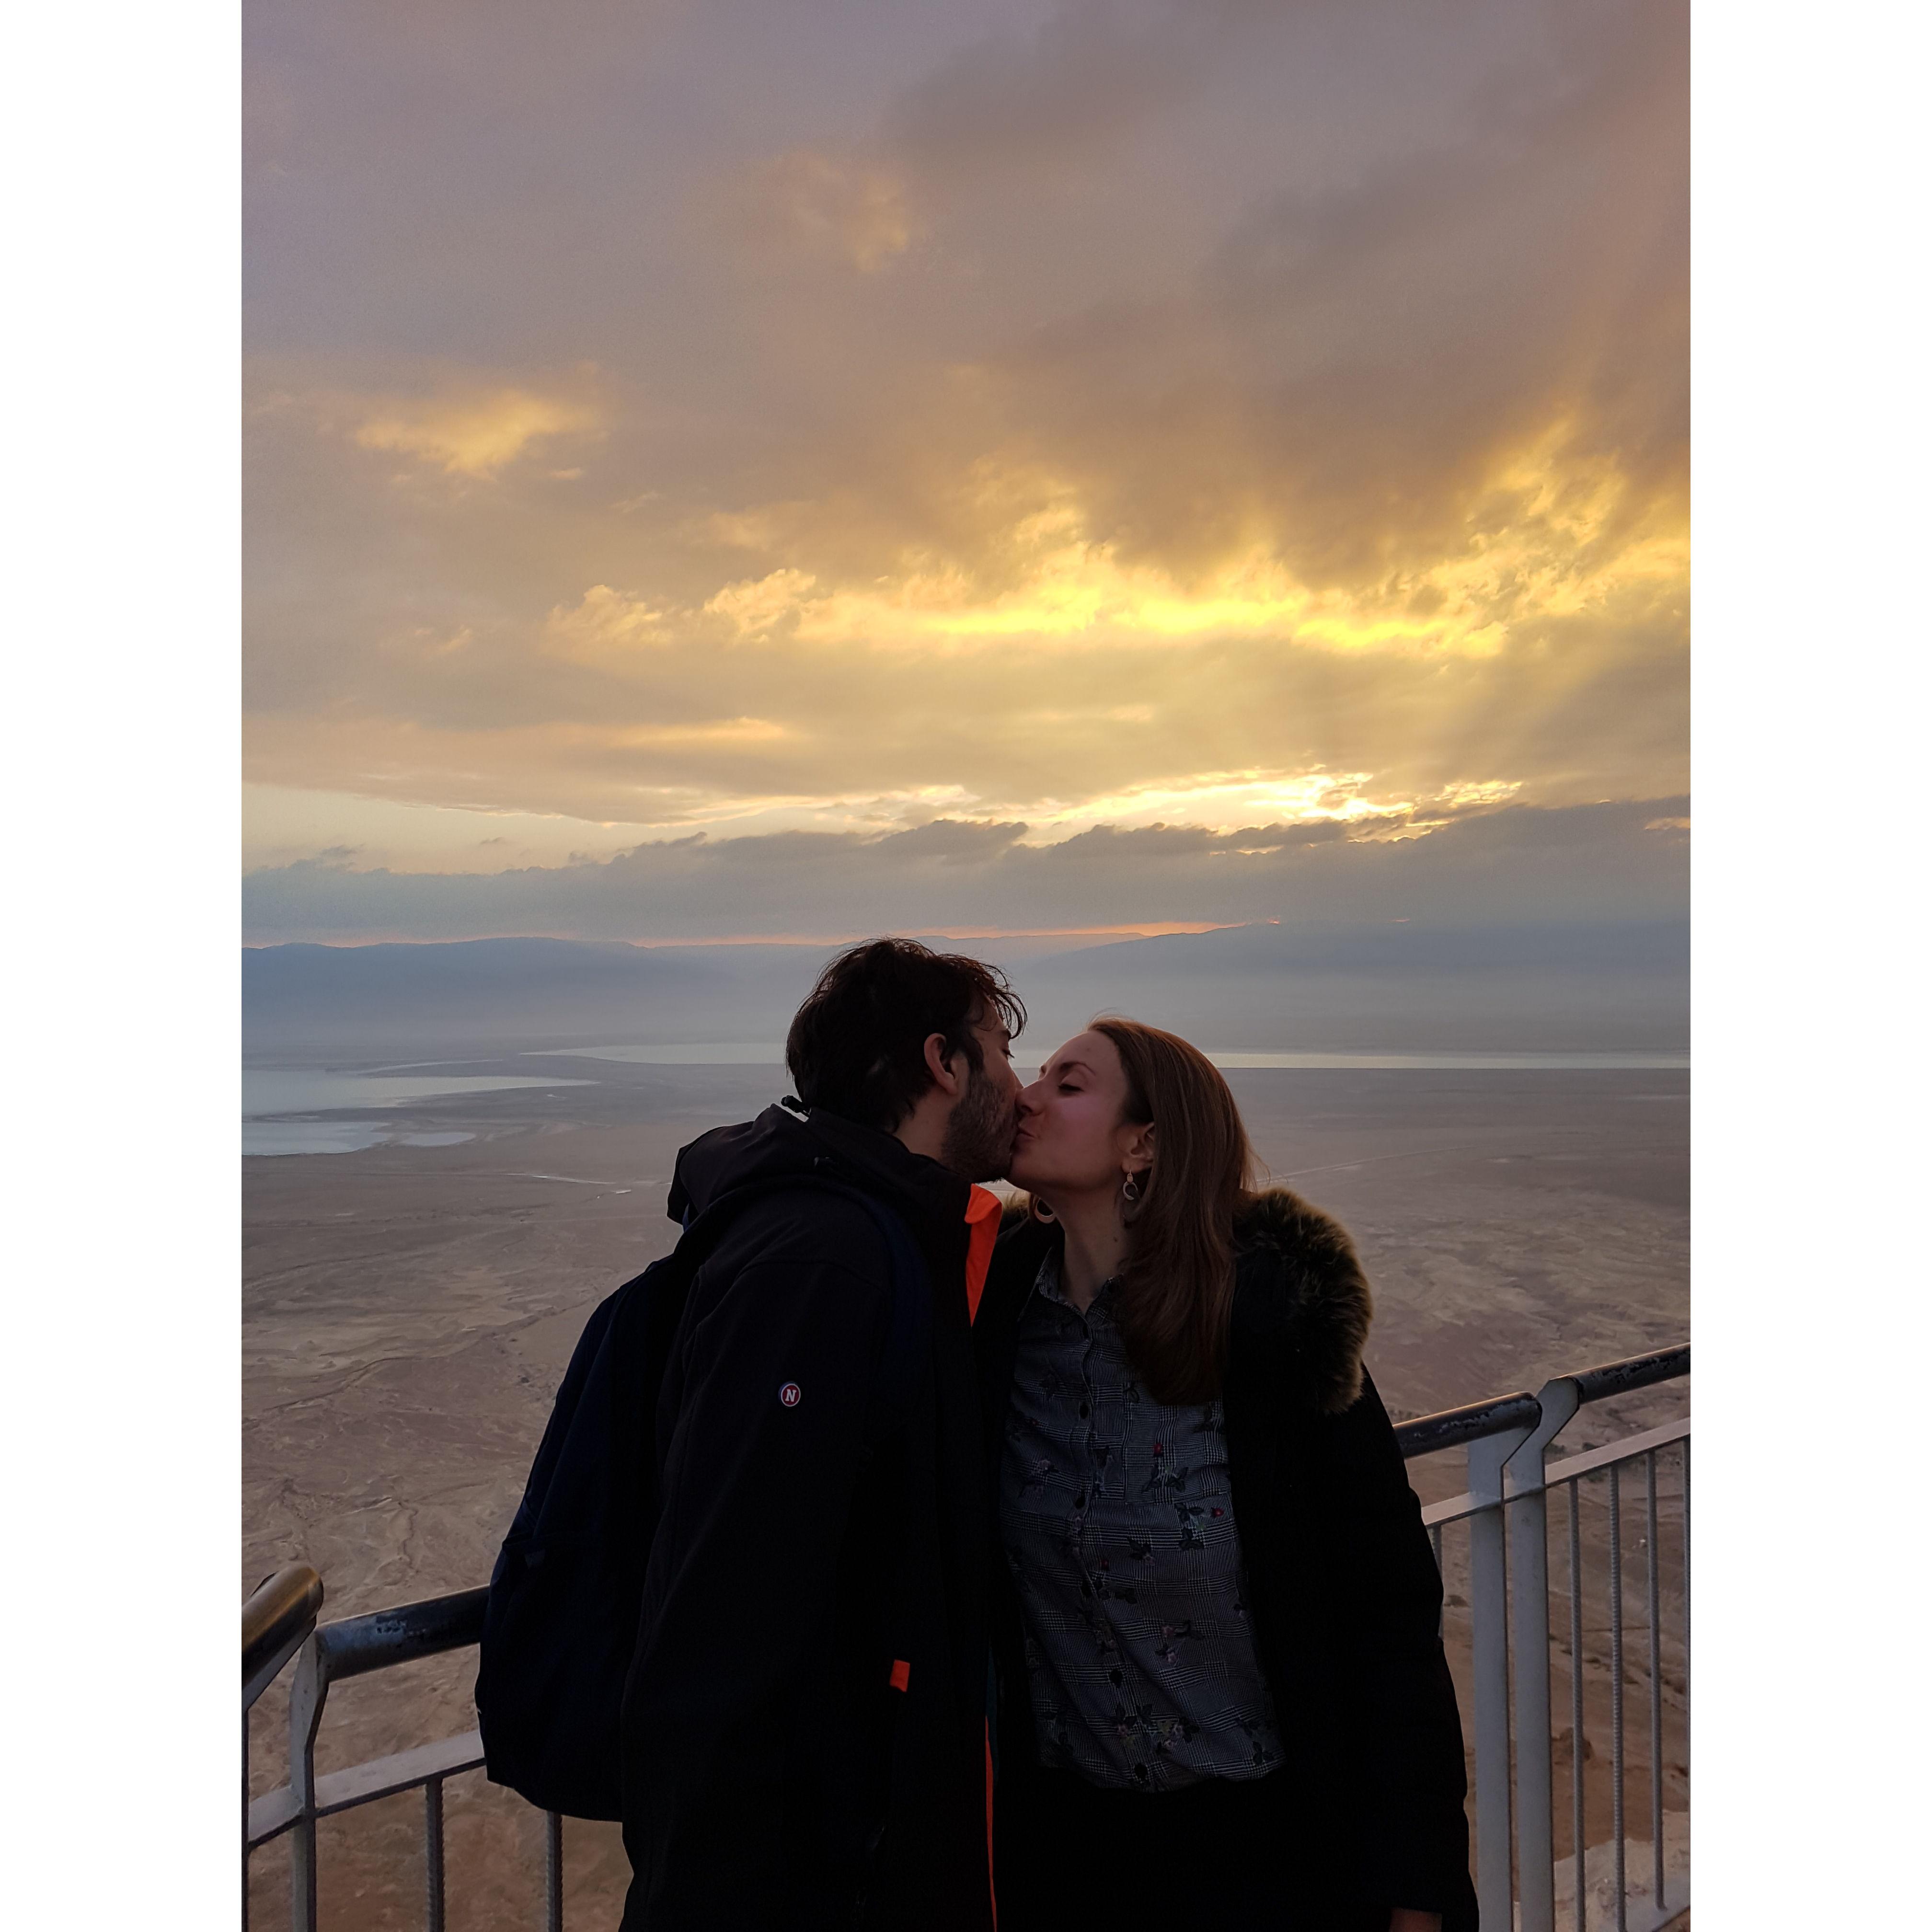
[1396, 988]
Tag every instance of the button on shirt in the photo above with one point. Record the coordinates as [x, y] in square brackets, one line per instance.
[1118, 1526]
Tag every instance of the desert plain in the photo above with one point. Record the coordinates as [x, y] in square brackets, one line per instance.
[408, 1311]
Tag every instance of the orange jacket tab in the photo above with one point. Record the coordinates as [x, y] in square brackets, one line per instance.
[901, 1673]
[983, 1210]
[992, 1885]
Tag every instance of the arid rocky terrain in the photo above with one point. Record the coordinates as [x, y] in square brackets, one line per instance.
[408, 1311]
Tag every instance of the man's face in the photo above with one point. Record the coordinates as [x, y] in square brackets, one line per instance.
[978, 1141]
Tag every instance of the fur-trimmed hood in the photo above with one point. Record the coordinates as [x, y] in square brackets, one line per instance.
[1303, 1261]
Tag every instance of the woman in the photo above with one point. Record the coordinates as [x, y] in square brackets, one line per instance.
[1222, 1699]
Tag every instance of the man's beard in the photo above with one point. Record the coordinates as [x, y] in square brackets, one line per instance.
[978, 1139]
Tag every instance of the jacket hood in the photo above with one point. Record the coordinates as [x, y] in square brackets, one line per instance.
[789, 1143]
[1319, 1293]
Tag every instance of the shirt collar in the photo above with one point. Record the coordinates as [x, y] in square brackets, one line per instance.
[1046, 1283]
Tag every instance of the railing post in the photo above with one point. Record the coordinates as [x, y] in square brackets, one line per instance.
[1488, 1618]
[1656, 1685]
[1529, 1636]
[553, 1872]
[432, 1858]
[1617, 1698]
[1685, 1454]
[307, 1694]
[1577, 1829]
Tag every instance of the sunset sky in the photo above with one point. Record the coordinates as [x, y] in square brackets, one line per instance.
[819, 466]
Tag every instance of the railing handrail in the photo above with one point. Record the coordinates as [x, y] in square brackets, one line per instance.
[279, 1613]
[1633, 1372]
[1451, 1428]
[400, 1635]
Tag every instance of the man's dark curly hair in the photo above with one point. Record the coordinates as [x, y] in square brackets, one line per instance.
[857, 1046]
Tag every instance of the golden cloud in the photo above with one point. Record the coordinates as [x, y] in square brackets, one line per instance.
[1184, 480]
[475, 434]
[603, 628]
[1546, 536]
[712, 731]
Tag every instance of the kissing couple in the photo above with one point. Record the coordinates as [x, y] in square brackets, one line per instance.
[1052, 1558]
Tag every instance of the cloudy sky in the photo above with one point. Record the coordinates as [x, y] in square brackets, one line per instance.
[816, 466]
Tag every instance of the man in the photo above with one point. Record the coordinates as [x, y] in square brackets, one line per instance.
[804, 1718]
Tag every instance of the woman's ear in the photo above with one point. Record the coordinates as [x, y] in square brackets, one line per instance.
[1138, 1152]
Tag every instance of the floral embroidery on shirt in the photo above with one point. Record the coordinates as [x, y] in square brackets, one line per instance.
[1115, 1512]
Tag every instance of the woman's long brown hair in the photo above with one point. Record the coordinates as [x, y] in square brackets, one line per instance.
[1177, 1291]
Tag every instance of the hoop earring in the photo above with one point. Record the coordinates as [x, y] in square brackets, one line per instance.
[1038, 1209]
[1130, 1190]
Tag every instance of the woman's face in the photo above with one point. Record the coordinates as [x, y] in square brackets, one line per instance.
[1072, 1137]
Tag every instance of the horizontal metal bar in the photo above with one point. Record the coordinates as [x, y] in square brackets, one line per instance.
[384, 1776]
[1626, 1449]
[1635, 1372]
[271, 1815]
[274, 1813]
[1452, 1427]
[1453, 1509]
[281, 1612]
[385, 1637]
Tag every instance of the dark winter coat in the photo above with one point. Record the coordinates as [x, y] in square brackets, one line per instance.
[773, 1776]
[1345, 1597]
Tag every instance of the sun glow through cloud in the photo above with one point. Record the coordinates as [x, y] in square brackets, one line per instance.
[474, 435]
[1051, 426]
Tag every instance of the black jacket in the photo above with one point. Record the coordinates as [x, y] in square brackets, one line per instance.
[773, 1777]
[1346, 1599]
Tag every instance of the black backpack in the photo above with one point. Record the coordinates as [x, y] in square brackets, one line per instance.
[566, 1594]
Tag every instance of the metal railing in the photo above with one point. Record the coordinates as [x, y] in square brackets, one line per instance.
[276, 1621]
[1508, 1440]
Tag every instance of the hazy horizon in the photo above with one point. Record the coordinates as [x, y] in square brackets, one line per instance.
[1258, 989]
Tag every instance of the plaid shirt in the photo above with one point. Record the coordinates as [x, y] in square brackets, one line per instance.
[1115, 1513]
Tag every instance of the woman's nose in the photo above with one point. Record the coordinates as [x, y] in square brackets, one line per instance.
[1029, 1097]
